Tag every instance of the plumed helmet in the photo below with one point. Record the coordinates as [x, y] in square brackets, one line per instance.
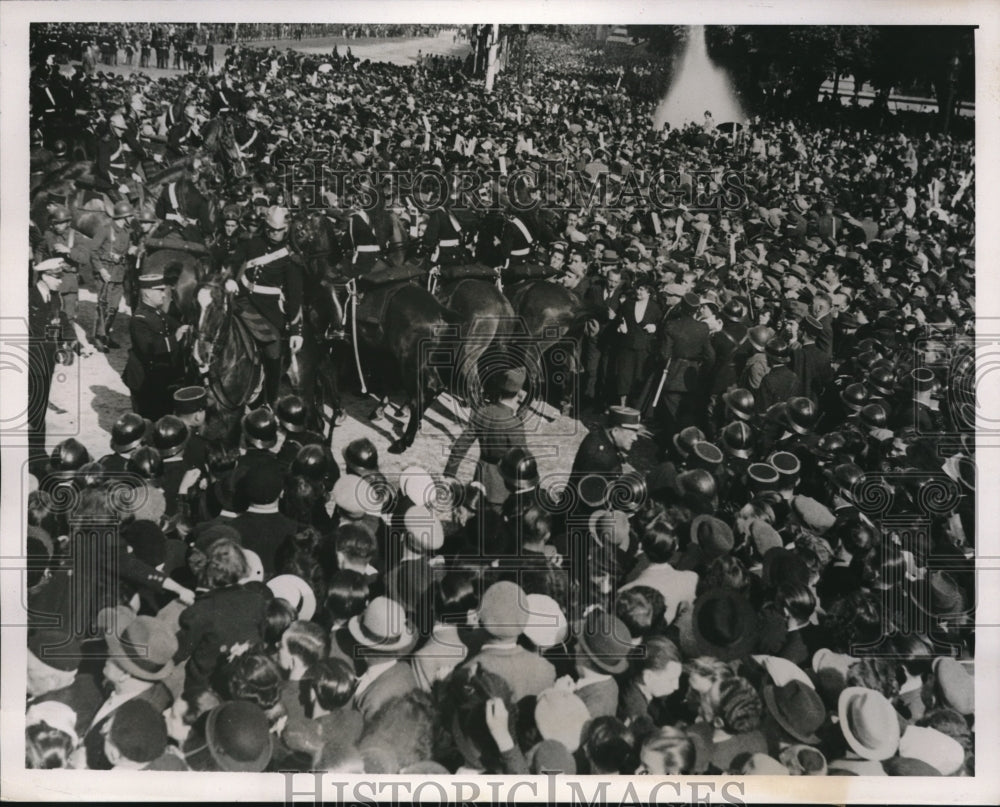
[69, 455]
[801, 415]
[59, 213]
[882, 380]
[873, 416]
[778, 351]
[128, 432]
[740, 402]
[260, 428]
[738, 439]
[291, 413]
[277, 218]
[361, 454]
[734, 310]
[146, 462]
[854, 396]
[685, 439]
[122, 209]
[169, 435]
[698, 482]
[519, 469]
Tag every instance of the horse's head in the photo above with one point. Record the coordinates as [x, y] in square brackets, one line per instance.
[220, 142]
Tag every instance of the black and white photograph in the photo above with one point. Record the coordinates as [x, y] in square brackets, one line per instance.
[559, 399]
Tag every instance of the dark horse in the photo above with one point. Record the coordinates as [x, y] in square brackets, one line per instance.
[553, 319]
[487, 327]
[400, 326]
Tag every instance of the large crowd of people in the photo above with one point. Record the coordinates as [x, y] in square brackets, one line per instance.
[788, 589]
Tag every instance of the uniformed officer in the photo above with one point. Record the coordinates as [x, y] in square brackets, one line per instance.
[114, 152]
[48, 328]
[191, 406]
[687, 349]
[185, 135]
[603, 455]
[250, 139]
[442, 240]
[153, 368]
[516, 240]
[363, 243]
[60, 241]
[499, 427]
[292, 417]
[229, 237]
[110, 248]
[127, 435]
[269, 282]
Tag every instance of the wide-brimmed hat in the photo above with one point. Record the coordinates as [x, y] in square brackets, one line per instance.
[239, 738]
[296, 592]
[723, 624]
[383, 627]
[604, 639]
[143, 647]
[869, 723]
[932, 747]
[797, 708]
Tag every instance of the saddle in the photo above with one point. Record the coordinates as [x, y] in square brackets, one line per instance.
[476, 271]
[386, 274]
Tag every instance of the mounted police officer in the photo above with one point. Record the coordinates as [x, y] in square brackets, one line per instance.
[269, 282]
[113, 167]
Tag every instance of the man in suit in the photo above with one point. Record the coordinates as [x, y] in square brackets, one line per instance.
[638, 321]
[687, 350]
[383, 636]
[498, 427]
[605, 296]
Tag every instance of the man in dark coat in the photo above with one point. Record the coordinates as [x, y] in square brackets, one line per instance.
[601, 457]
[687, 350]
[153, 367]
[781, 383]
[811, 364]
[498, 427]
[47, 328]
[604, 297]
[638, 319]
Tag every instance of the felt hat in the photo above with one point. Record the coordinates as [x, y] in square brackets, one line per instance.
[138, 730]
[713, 535]
[296, 592]
[606, 642]
[932, 747]
[145, 648]
[503, 611]
[238, 736]
[723, 624]
[561, 715]
[869, 723]
[955, 687]
[384, 627]
[797, 708]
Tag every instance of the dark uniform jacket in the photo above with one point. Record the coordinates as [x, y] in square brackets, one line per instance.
[688, 346]
[725, 344]
[270, 281]
[182, 139]
[362, 242]
[115, 158]
[498, 429]
[110, 250]
[814, 370]
[597, 464]
[780, 384]
[153, 361]
[442, 240]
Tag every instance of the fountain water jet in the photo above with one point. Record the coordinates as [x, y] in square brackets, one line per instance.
[699, 86]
